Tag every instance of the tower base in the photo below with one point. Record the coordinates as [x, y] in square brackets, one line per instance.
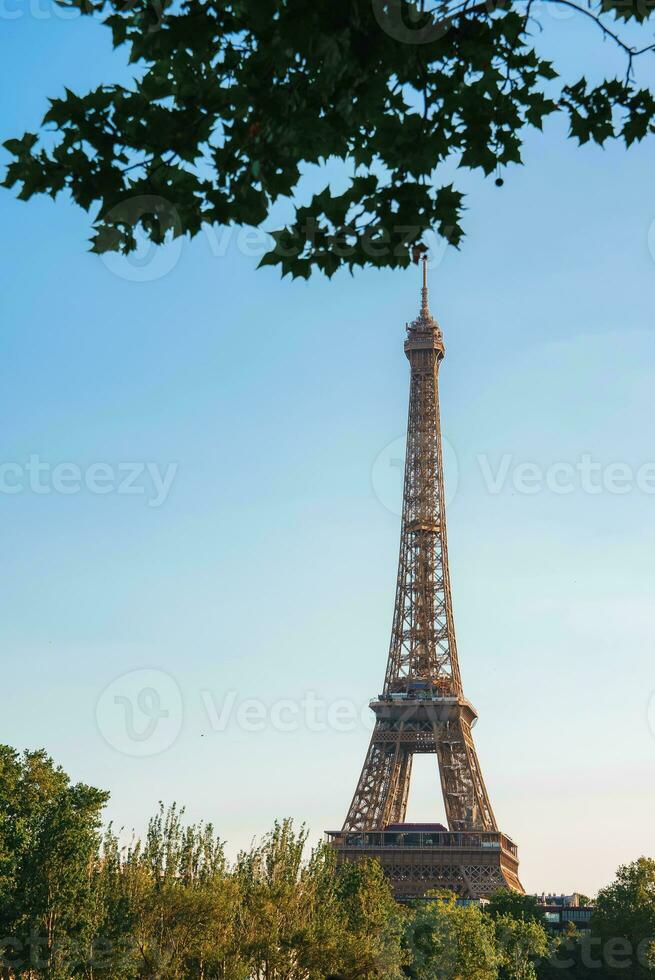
[472, 865]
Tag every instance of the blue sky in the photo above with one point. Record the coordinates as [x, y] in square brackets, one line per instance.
[268, 570]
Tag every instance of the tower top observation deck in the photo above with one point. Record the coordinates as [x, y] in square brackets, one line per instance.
[424, 333]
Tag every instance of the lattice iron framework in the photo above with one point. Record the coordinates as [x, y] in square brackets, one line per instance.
[422, 708]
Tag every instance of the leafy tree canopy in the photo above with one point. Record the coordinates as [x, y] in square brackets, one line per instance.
[451, 941]
[49, 836]
[78, 905]
[624, 920]
[521, 941]
[523, 907]
[233, 100]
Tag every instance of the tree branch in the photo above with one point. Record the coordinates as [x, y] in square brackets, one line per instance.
[466, 9]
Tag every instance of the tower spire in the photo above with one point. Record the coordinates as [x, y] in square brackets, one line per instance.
[425, 325]
[425, 306]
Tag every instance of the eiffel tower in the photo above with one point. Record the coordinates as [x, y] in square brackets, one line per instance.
[422, 708]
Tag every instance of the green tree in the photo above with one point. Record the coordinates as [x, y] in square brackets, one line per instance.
[233, 101]
[289, 920]
[372, 924]
[169, 905]
[521, 941]
[109, 941]
[49, 835]
[524, 907]
[624, 921]
[569, 957]
[451, 942]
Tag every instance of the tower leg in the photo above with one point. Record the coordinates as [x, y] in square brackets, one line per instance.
[370, 803]
[465, 796]
[399, 795]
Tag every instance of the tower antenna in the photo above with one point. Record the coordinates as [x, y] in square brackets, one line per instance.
[425, 306]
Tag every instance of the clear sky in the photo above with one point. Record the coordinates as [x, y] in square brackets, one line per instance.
[260, 569]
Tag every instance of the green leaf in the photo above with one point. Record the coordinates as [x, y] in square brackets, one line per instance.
[21, 147]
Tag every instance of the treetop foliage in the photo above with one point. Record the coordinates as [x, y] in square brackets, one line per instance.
[517, 906]
[77, 903]
[232, 101]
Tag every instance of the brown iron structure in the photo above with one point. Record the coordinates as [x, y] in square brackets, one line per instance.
[422, 708]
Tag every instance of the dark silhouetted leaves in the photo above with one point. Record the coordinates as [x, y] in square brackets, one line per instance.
[233, 101]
